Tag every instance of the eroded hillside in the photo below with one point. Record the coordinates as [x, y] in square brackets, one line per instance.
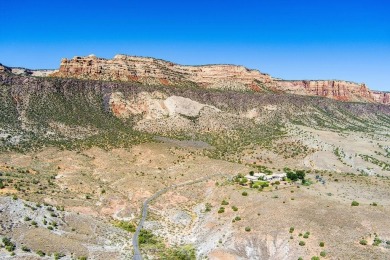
[79, 157]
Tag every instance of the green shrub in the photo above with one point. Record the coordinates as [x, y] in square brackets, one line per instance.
[58, 256]
[302, 243]
[207, 207]
[245, 193]
[41, 253]
[221, 210]
[315, 258]
[125, 225]
[323, 253]
[322, 244]
[355, 203]
[9, 246]
[363, 242]
[26, 249]
[237, 218]
[146, 237]
[184, 253]
[377, 241]
[234, 208]
[291, 229]
[27, 218]
[224, 202]
[247, 229]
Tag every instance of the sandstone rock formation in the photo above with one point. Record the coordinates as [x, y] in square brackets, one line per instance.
[159, 72]
[335, 89]
[381, 97]
[150, 71]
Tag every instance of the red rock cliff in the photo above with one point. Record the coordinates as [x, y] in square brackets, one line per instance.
[156, 72]
[152, 71]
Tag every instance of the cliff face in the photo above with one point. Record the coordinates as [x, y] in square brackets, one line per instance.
[381, 97]
[335, 89]
[149, 71]
[158, 72]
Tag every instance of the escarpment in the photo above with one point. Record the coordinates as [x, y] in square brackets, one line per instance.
[157, 72]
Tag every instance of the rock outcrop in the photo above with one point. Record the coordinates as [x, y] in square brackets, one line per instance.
[4, 68]
[159, 72]
[381, 97]
[335, 89]
[150, 71]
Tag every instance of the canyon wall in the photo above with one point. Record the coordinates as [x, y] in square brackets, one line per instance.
[159, 72]
[150, 71]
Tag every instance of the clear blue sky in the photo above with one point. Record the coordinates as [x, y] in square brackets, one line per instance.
[290, 39]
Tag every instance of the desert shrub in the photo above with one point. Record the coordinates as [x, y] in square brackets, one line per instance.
[302, 243]
[291, 229]
[146, 237]
[207, 207]
[179, 253]
[247, 229]
[374, 204]
[58, 256]
[224, 202]
[237, 218]
[41, 253]
[363, 242]
[9, 246]
[377, 241]
[245, 193]
[264, 184]
[234, 208]
[27, 218]
[125, 225]
[322, 244]
[221, 210]
[26, 249]
[355, 203]
[315, 258]
[323, 253]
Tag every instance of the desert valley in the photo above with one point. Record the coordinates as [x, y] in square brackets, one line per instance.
[141, 158]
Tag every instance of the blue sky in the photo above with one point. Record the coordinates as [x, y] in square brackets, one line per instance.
[290, 39]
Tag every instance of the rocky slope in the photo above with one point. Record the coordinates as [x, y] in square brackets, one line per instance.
[150, 71]
[26, 72]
